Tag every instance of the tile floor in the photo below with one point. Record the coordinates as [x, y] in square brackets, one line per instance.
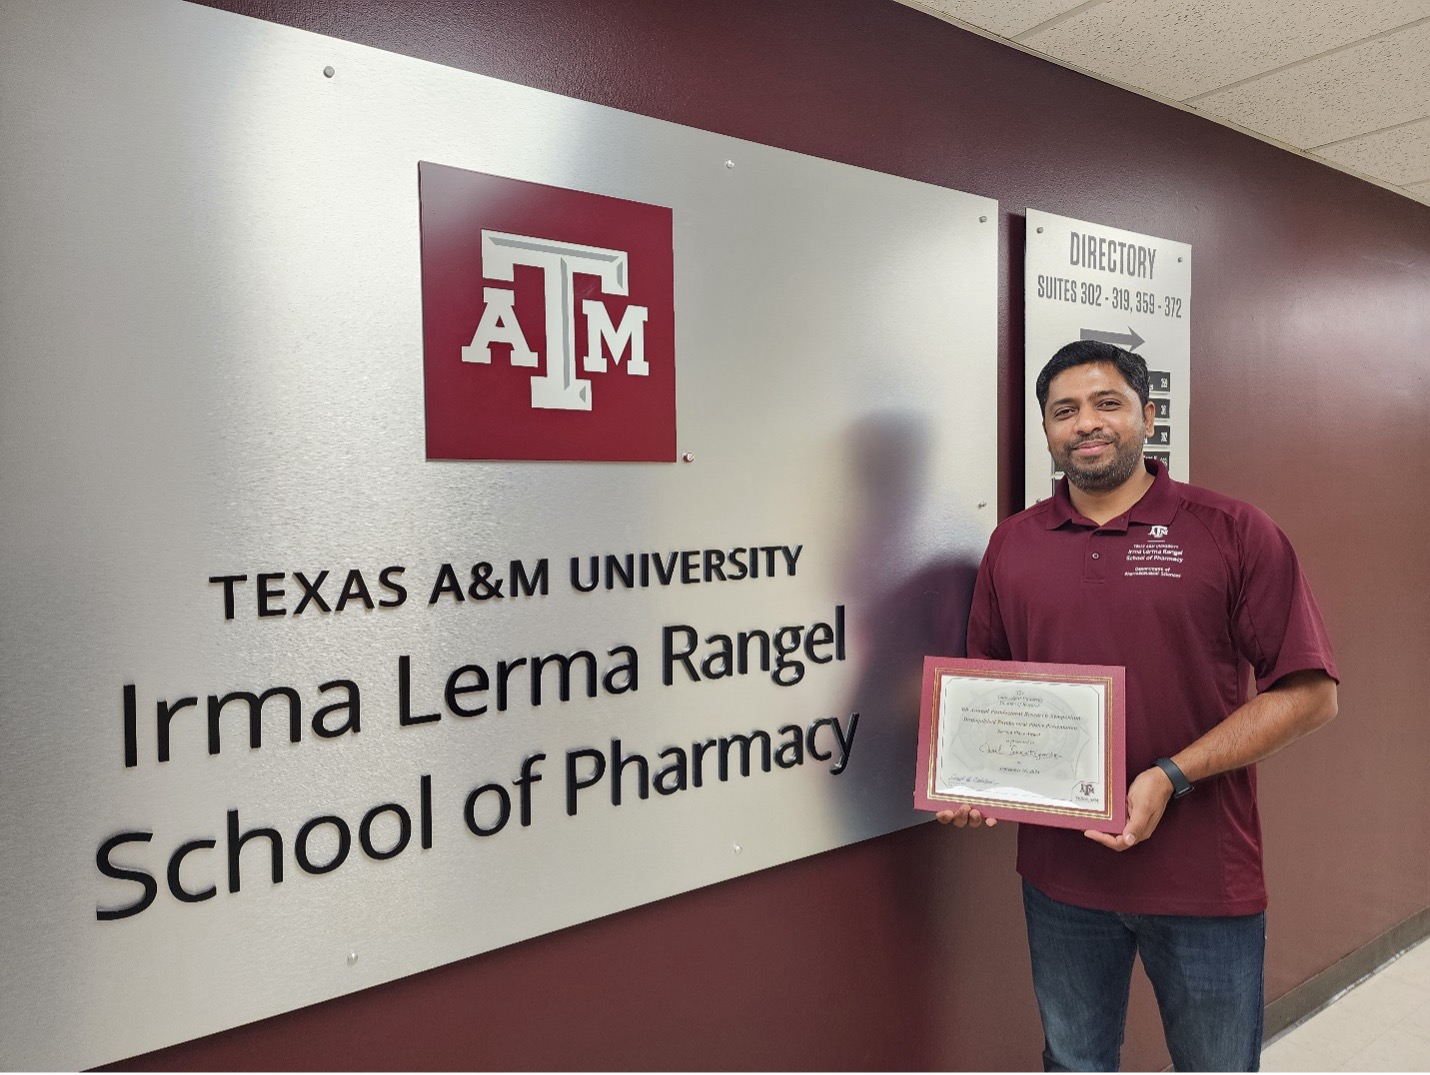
[1382, 1024]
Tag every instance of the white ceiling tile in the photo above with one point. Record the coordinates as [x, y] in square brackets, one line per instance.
[1003, 17]
[1420, 190]
[1363, 88]
[1399, 155]
[1181, 48]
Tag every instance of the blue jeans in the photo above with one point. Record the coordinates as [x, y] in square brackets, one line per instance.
[1208, 974]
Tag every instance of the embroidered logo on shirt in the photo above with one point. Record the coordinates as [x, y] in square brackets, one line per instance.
[1155, 558]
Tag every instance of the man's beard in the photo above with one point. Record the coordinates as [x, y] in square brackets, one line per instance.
[1108, 474]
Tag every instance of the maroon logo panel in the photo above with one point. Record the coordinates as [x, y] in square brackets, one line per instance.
[548, 321]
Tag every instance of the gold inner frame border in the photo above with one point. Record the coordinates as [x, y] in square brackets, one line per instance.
[1010, 804]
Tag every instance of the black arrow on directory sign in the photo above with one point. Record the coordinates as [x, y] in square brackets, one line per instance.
[1129, 339]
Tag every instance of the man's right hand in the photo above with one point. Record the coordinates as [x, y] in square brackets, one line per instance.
[963, 817]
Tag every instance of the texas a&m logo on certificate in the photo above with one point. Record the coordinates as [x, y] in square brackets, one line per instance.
[548, 320]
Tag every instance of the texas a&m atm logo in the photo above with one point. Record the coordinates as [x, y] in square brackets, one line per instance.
[548, 321]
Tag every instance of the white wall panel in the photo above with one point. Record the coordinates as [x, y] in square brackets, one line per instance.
[211, 363]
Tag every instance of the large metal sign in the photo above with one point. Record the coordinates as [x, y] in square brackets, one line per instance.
[344, 632]
[1092, 282]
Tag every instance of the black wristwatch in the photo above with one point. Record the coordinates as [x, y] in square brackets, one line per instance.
[1180, 784]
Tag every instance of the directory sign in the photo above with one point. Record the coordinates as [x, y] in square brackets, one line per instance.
[1088, 281]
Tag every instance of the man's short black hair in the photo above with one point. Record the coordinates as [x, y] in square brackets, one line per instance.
[1132, 368]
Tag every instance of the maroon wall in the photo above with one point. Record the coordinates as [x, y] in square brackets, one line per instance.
[1311, 308]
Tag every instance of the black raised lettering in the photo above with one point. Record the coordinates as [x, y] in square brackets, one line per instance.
[746, 637]
[820, 634]
[523, 783]
[810, 742]
[354, 588]
[131, 727]
[618, 768]
[164, 713]
[484, 587]
[538, 664]
[387, 581]
[122, 873]
[255, 718]
[267, 593]
[576, 574]
[697, 751]
[791, 751]
[671, 778]
[404, 831]
[846, 743]
[524, 585]
[745, 742]
[623, 677]
[718, 662]
[352, 704]
[669, 655]
[787, 672]
[503, 810]
[625, 570]
[575, 784]
[176, 860]
[714, 565]
[345, 843]
[404, 696]
[446, 583]
[504, 671]
[456, 688]
[769, 551]
[228, 581]
[665, 568]
[736, 560]
[235, 846]
[310, 592]
[426, 812]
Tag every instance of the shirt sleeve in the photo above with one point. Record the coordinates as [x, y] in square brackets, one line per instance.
[1277, 625]
[987, 639]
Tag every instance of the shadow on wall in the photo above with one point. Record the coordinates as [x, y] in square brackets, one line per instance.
[908, 608]
[912, 590]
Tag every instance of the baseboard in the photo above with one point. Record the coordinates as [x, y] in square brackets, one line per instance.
[1310, 997]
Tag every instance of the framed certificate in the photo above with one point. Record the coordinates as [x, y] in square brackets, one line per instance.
[1043, 744]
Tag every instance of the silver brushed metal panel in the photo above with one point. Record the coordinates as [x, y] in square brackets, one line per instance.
[210, 363]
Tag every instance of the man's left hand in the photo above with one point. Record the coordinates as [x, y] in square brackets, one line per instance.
[1147, 800]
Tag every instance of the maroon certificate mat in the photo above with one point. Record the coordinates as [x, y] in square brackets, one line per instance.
[1044, 744]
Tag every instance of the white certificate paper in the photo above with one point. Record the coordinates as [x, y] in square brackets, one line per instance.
[1024, 741]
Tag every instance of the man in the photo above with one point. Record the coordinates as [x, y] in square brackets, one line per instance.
[1185, 588]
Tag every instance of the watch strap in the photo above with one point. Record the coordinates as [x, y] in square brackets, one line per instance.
[1180, 784]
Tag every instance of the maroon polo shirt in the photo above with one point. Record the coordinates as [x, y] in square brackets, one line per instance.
[1186, 591]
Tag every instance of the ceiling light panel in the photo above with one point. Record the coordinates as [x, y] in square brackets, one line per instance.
[1356, 90]
[1006, 19]
[1185, 47]
[1399, 155]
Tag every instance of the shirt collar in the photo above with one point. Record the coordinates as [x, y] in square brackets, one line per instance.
[1157, 505]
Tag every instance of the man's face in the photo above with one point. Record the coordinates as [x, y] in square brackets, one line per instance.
[1096, 426]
